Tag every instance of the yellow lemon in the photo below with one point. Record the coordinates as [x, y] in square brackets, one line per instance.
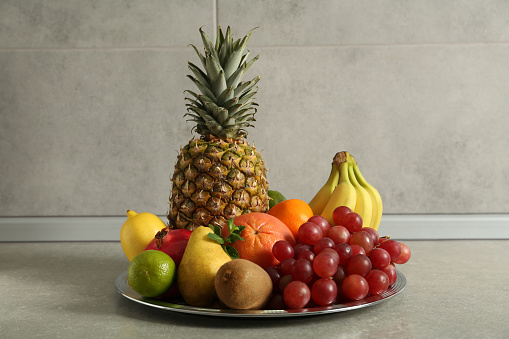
[138, 230]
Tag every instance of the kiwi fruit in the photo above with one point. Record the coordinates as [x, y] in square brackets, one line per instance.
[243, 285]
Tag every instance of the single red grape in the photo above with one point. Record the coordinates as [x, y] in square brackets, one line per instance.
[309, 233]
[284, 281]
[344, 251]
[352, 222]
[297, 294]
[275, 276]
[355, 287]
[372, 232]
[356, 249]
[340, 275]
[379, 257]
[323, 243]
[362, 239]
[393, 247]
[404, 256]
[322, 222]
[339, 234]
[308, 255]
[301, 248]
[378, 282]
[391, 272]
[333, 253]
[359, 264]
[276, 302]
[286, 266]
[324, 291]
[324, 265]
[339, 213]
[282, 250]
[302, 270]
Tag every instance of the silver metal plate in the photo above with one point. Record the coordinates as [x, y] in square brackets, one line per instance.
[126, 290]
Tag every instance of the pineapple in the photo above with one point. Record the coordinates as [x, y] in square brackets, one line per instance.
[219, 175]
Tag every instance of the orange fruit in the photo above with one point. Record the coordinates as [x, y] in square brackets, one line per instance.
[293, 213]
[261, 233]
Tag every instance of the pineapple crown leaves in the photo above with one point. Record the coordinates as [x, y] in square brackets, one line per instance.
[234, 235]
[224, 108]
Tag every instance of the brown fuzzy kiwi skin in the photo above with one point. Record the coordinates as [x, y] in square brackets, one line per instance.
[243, 285]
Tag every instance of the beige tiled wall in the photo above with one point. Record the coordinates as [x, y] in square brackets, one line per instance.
[91, 99]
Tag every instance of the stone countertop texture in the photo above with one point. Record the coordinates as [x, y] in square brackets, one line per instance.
[455, 289]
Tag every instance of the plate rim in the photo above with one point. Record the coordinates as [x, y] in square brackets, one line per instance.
[122, 286]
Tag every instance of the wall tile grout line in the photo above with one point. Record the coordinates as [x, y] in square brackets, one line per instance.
[56, 49]
[216, 15]
[155, 48]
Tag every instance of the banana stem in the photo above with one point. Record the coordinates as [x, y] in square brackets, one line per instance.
[342, 157]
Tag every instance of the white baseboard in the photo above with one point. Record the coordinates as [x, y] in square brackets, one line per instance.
[445, 226]
[400, 227]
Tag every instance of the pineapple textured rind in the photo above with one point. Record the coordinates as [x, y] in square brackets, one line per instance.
[216, 180]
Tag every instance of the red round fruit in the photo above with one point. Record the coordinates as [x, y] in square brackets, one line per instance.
[297, 294]
[352, 222]
[302, 270]
[391, 272]
[301, 248]
[404, 256]
[359, 264]
[282, 250]
[308, 255]
[355, 287]
[372, 232]
[276, 302]
[344, 251]
[379, 257]
[323, 244]
[324, 291]
[393, 247]
[275, 276]
[325, 265]
[339, 214]
[172, 242]
[340, 275]
[331, 252]
[378, 282]
[363, 239]
[309, 233]
[284, 281]
[286, 266]
[322, 222]
[339, 234]
[356, 249]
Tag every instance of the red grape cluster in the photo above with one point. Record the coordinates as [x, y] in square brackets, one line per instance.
[332, 264]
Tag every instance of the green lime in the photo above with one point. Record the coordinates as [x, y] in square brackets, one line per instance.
[151, 273]
[275, 198]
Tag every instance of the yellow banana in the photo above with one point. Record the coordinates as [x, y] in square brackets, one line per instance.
[344, 194]
[323, 195]
[350, 158]
[376, 199]
[363, 205]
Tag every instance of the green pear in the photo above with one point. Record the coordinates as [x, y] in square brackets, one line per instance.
[201, 260]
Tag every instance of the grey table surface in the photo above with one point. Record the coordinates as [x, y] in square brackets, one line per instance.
[455, 289]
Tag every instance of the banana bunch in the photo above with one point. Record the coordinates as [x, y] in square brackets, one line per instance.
[347, 187]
